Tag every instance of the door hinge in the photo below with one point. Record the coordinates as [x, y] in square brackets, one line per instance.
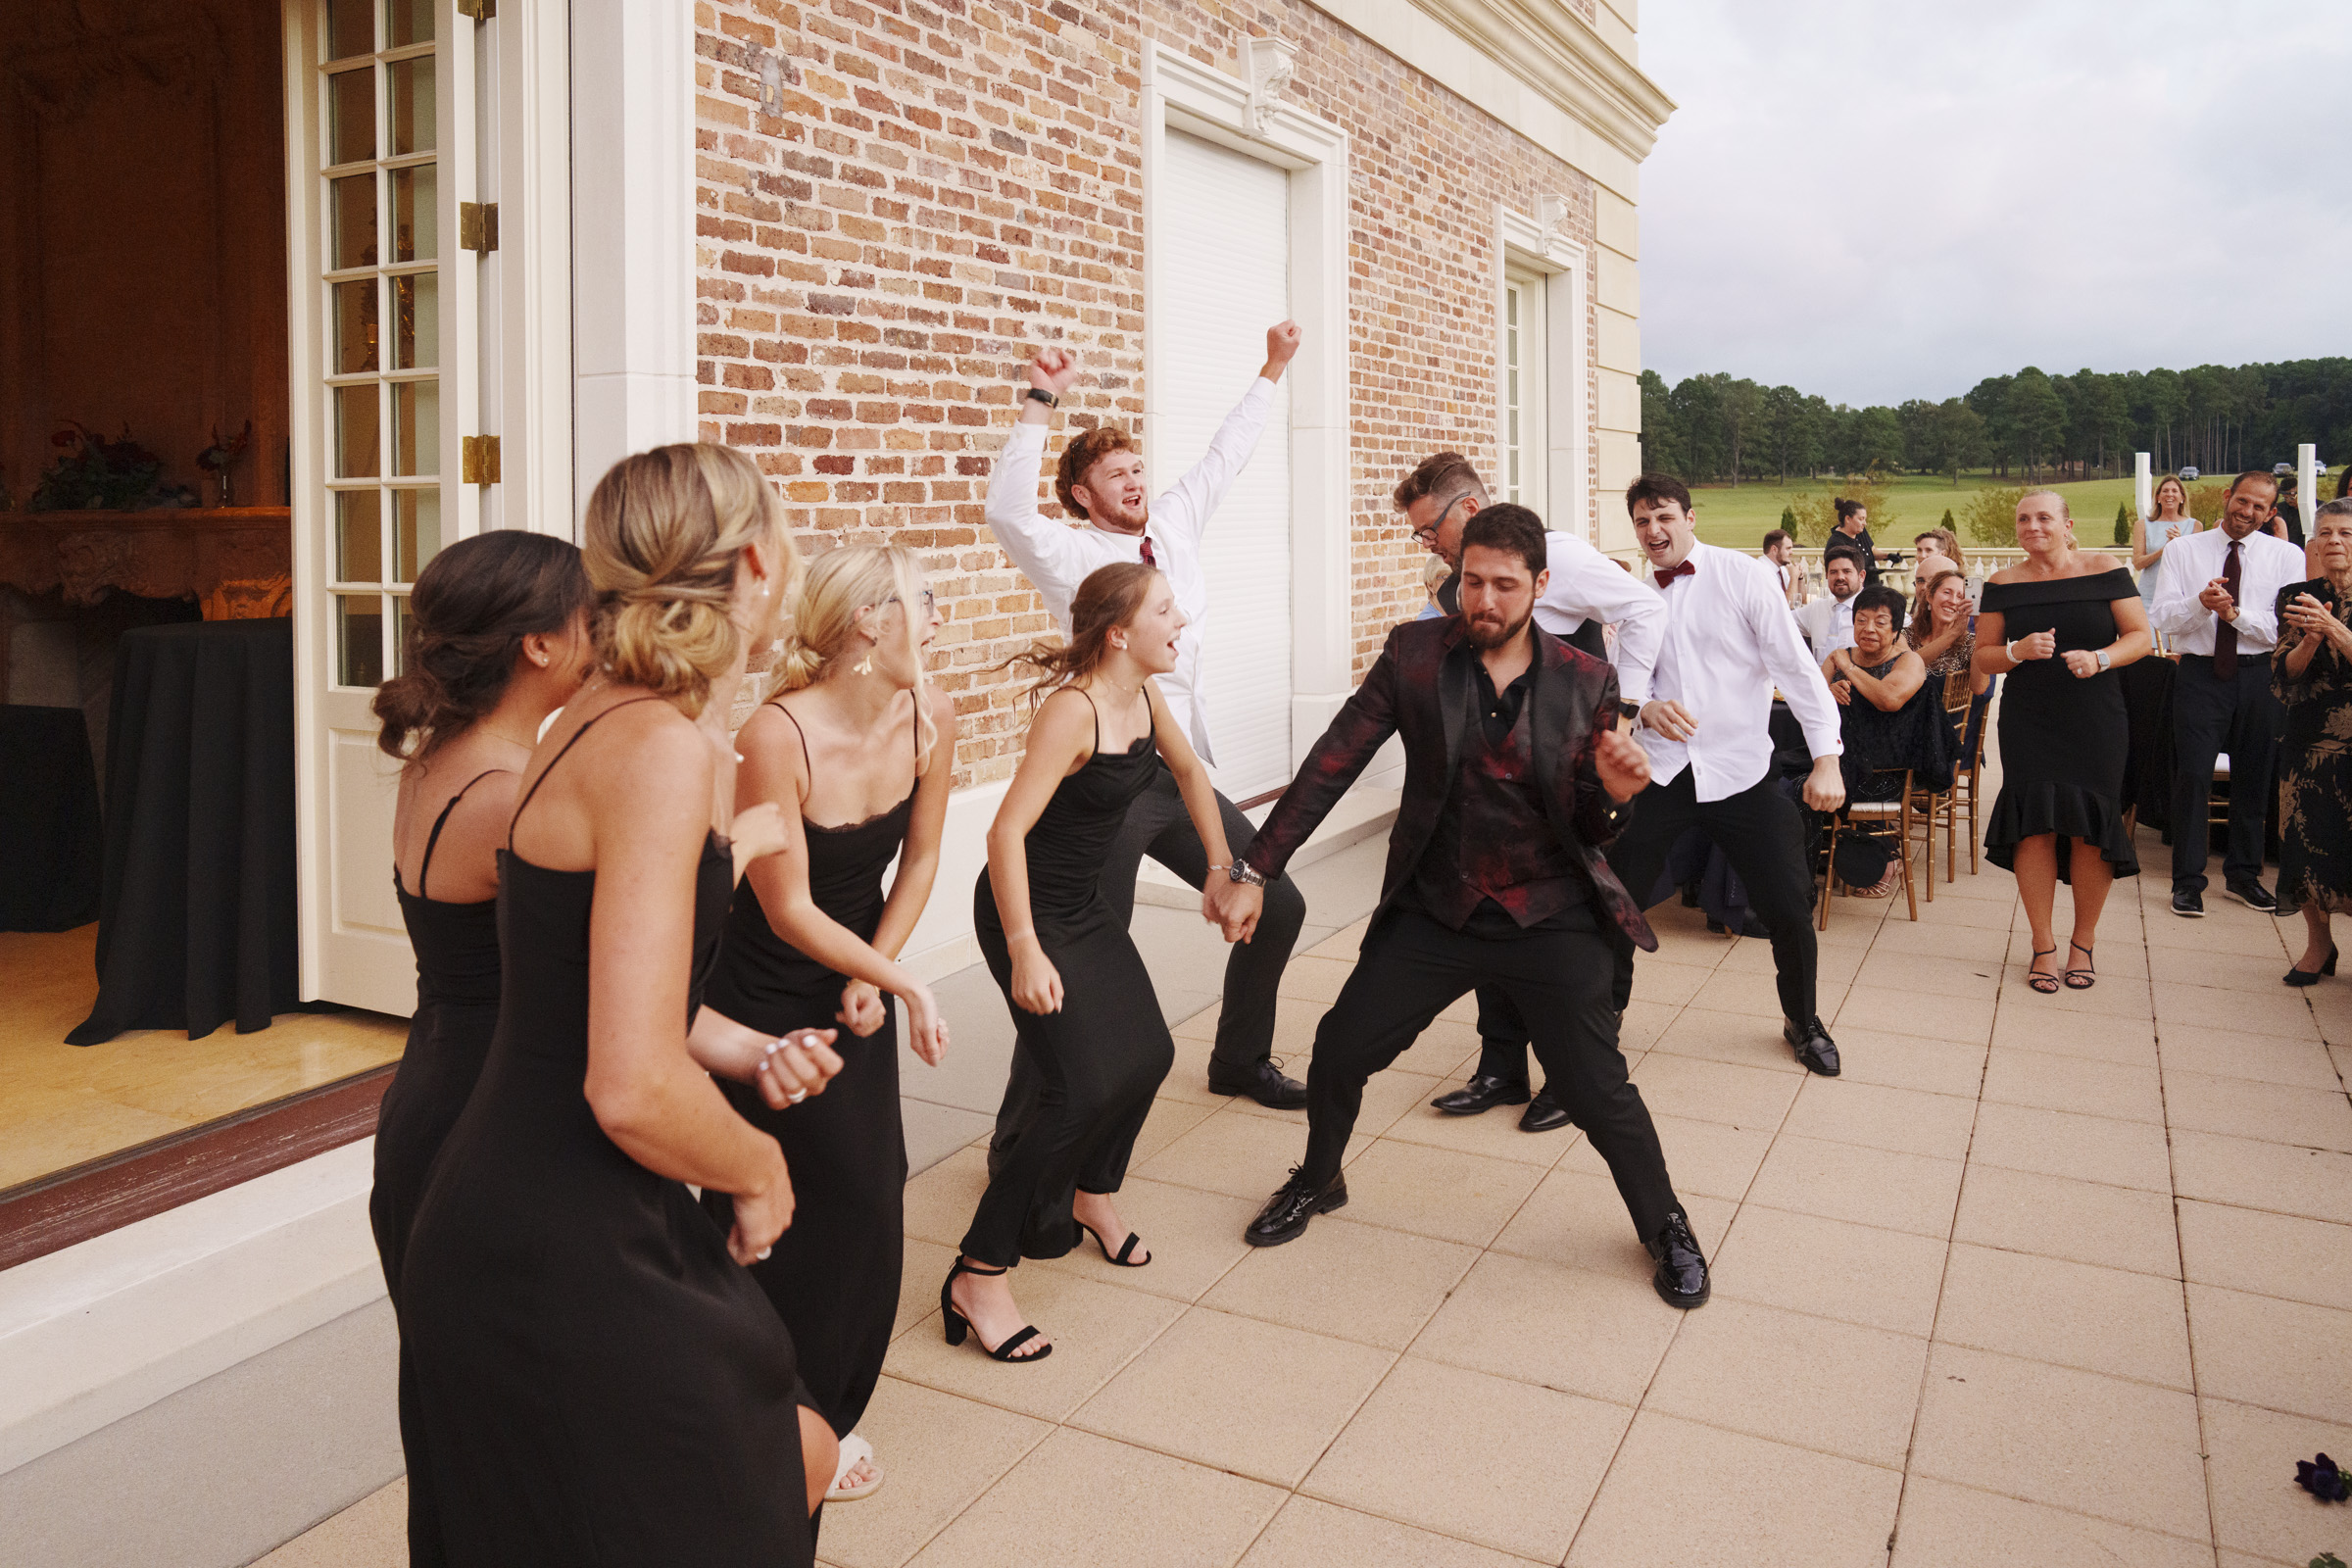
[478, 460]
[478, 10]
[478, 226]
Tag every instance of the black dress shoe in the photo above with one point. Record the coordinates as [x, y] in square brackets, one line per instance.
[1543, 1114]
[1263, 1083]
[1293, 1205]
[1749, 926]
[2189, 904]
[1813, 1045]
[2254, 895]
[1480, 1093]
[1682, 1277]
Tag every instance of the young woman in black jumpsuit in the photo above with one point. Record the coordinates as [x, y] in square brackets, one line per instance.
[1082, 1003]
[859, 755]
[497, 640]
[601, 1381]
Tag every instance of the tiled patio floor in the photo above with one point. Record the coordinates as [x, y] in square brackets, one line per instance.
[2041, 1280]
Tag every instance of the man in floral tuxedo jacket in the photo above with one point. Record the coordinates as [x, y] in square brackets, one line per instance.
[1515, 776]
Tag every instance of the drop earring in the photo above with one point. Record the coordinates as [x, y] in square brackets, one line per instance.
[866, 666]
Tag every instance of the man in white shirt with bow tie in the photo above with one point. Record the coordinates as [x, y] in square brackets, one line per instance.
[1730, 641]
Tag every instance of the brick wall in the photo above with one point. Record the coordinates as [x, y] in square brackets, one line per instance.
[914, 197]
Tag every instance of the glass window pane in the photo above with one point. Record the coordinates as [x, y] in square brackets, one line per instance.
[416, 531]
[408, 22]
[400, 635]
[414, 235]
[351, 116]
[359, 536]
[356, 441]
[416, 321]
[359, 639]
[416, 427]
[409, 87]
[351, 209]
[355, 328]
[350, 28]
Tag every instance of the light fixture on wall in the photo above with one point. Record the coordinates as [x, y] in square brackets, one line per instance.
[1270, 60]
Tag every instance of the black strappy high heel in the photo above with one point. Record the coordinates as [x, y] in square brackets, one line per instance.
[1126, 1246]
[2079, 979]
[2047, 984]
[957, 1325]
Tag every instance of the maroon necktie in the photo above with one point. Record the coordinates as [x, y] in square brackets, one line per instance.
[1145, 543]
[1687, 569]
[2224, 634]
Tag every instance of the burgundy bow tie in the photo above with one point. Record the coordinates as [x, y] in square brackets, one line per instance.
[1686, 570]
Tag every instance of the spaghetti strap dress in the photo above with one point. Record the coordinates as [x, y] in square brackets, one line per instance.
[1106, 1053]
[449, 1036]
[2064, 739]
[834, 1275]
[601, 1383]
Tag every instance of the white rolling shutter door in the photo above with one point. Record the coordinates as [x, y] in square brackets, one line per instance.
[1224, 268]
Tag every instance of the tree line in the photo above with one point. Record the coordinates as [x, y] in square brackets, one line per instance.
[2031, 425]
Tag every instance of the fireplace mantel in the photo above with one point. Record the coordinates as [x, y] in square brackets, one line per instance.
[185, 553]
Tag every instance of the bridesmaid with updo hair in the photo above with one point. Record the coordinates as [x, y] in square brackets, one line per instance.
[497, 639]
[601, 1382]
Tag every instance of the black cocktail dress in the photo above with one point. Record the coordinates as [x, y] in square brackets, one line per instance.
[2064, 739]
[449, 1036]
[834, 1275]
[601, 1381]
[2315, 766]
[1104, 1055]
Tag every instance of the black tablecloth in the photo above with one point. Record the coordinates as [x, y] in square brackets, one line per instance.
[196, 924]
[49, 837]
[2149, 761]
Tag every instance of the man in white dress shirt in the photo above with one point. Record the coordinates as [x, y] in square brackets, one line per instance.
[1101, 480]
[1729, 641]
[2217, 596]
[1829, 624]
[1585, 591]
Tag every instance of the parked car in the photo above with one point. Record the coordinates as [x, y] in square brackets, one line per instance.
[2188, 473]
[2283, 467]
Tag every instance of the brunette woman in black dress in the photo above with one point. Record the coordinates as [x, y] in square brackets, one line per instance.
[497, 640]
[601, 1381]
[859, 754]
[2060, 623]
[1082, 1003]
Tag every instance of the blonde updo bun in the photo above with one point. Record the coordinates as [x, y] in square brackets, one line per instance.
[664, 531]
[840, 591]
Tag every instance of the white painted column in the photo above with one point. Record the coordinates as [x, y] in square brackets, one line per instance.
[2144, 486]
[2307, 483]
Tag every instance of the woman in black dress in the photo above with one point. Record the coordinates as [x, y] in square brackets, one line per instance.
[1082, 1003]
[2060, 623]
[2312, 675]
[1884, 723]
[497, 640]
[859, 755]
[601, 1381]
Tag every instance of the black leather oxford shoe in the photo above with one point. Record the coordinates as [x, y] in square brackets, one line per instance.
[1812, 1044]
[1480, 1093]
[1682, 1277]
[1293, 1205]
[1543, 1114]
[1263, 1083]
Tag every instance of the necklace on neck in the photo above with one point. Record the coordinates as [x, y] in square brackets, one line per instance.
[528, 742]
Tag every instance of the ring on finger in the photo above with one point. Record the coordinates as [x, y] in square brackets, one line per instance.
[796, 1097]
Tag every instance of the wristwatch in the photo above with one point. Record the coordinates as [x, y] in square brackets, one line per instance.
[1042, 396]
[1239, 871]
[2103, 661]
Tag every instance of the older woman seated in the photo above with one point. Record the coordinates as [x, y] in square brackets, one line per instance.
[1891, 718]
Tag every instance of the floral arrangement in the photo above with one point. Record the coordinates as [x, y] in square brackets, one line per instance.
[95, 474]
[217, 460]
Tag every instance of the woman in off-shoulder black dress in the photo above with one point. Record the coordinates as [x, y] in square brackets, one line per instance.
[2059, 624]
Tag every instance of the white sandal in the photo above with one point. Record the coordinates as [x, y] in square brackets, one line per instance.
[852, 1449]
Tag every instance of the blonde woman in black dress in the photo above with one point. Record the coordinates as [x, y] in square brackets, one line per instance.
[497, 640]
[1082, 1003]
[2060, 623]
[857, 751]
[601, 1382]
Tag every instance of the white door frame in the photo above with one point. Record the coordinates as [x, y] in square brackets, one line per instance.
[1522, 242]
[1182, 94]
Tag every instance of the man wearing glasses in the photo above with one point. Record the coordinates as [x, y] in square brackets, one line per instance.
[1100, 481]
[1585, 590]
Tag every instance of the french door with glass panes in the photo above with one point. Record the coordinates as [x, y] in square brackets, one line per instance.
[394, 116]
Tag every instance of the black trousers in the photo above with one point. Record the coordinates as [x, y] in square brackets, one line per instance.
[1157, 826]
[2209, 716]
[1557, 974]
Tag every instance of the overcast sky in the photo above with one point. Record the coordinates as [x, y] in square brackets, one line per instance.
[1881, 198]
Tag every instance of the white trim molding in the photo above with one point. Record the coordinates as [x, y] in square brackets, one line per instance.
[1181, 93]
[1540, 245]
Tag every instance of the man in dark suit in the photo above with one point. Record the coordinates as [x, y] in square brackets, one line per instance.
[1515, 775]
